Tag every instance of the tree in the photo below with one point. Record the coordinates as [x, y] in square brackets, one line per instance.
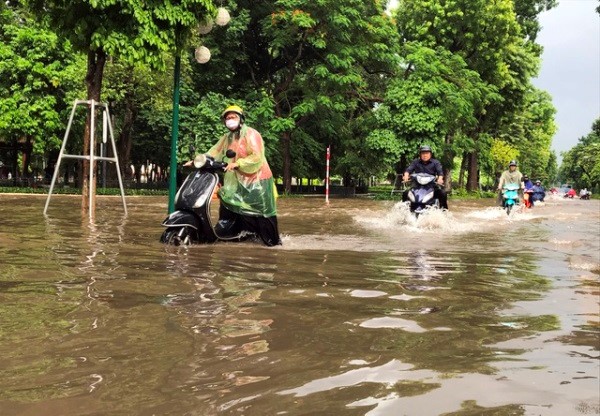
[531, 129]
[134, 30]
[527, 12]
[433, 101]
[488, 37]
[313, 65]
[135, 91]
[501, 153]
[581, 164]
[37, 71]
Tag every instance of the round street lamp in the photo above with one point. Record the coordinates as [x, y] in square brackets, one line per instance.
[222, 16]
[202, 56]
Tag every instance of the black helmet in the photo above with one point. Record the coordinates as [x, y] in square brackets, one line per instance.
[512, 163]
[425, 149]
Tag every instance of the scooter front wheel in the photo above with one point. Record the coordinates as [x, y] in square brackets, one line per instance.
[176, 236]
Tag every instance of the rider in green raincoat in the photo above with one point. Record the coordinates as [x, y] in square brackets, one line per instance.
[248, 193]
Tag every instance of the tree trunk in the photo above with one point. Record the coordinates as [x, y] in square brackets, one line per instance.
[286, 140]
[27, 149]
[93, 79]
[15, 161]
[463, 168]
[448, 161]
[473, 177]
[124, 141]
[447, 179]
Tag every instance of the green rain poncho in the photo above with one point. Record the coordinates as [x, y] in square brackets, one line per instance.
[249, 189]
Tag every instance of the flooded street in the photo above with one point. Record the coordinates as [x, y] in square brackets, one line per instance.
[362, 311]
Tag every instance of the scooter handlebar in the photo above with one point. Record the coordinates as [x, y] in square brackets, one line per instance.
[204, 160]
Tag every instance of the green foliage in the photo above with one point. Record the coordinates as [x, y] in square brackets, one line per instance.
[455, 75]
[434, 102]
[530, 131]
[527, 12]
[491, 42]
[461, 193]
[318, 63]
[501, 154]
[137, 31]
[581, 164]
[37, 70]
[77, 191]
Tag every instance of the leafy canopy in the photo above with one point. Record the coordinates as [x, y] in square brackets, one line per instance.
[136, 30]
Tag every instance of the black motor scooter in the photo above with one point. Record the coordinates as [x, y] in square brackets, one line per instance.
[422, 193]
[191, 221]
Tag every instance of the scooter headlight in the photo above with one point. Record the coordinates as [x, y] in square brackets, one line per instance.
[199, 161]
[424, 180]
[428, 197]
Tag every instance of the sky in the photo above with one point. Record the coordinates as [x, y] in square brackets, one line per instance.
[570, 69]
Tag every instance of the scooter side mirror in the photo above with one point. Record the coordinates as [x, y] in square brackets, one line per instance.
[199, 161]
[230, 153]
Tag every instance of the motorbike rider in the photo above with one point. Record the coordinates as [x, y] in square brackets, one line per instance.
[539, 193]
[527, 191]
[584, 194]
[511, 176]
[248, 192]
[425, 163]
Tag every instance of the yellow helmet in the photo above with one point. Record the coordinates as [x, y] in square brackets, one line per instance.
[233, 109]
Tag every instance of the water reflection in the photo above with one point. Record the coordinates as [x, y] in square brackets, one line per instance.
[358, 312]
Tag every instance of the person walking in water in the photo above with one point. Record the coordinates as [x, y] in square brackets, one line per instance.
[248, 190]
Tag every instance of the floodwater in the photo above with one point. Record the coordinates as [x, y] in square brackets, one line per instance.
[362, 311]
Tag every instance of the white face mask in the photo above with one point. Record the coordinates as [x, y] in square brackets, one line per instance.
[232, 124]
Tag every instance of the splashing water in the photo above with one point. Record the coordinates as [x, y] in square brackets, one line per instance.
[431, 220]
[435, 220]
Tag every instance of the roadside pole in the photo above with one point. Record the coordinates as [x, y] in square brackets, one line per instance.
[327, 175]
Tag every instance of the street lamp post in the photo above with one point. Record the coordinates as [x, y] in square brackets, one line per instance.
[174, 134]
[202, 55]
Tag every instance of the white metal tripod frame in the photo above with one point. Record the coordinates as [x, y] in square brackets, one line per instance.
[91, 157]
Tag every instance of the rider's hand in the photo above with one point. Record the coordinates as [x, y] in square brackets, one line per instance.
[440, 181]
[231, 166]
[405, 178]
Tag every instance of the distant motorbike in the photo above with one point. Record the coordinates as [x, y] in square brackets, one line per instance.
[191, 221]
[422, 193]
[528, 198]
[538, 197]
[510, 197]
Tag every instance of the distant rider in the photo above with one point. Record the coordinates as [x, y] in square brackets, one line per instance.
[511, 176]
[584, 194]
[425, 163]
[539, 193]
[527, 191]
